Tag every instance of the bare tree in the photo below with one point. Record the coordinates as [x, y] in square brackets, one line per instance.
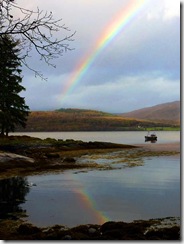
[35, 30]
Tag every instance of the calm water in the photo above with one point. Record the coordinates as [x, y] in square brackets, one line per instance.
[124, 137]
[75, 197]
[72, 198]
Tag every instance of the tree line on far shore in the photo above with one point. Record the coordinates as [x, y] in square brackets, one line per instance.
[87, 120]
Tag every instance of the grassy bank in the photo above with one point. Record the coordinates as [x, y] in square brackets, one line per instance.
[163, 128]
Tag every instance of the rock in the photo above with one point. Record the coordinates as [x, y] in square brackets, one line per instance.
[12, 157]
[67, 237]
[59, 228]
[28, 229]
[31, 184]
[69, 160]
[92, 230]
[52, 155]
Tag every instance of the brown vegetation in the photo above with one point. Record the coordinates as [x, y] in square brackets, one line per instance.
[23, 155]
[82, 120]
[163, 113]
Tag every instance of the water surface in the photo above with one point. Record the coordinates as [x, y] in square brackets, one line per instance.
[74, 197]
[124, 137]
[96, 196]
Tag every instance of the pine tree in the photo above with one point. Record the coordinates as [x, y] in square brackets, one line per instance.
[13, 110]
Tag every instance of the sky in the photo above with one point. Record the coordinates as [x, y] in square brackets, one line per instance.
[126, 56]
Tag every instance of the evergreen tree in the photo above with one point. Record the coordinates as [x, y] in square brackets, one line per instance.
[13, 110]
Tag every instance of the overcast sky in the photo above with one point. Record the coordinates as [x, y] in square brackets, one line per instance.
[139, 67]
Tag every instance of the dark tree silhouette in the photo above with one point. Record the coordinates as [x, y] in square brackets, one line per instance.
[13, 110]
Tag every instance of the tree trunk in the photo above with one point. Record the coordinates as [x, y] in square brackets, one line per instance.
[2, 130]
[7, 133]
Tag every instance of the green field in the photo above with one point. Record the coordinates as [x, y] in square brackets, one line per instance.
[177, 128]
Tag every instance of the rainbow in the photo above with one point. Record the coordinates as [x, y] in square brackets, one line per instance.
[88, 203]
[116, 26]
[86, 200]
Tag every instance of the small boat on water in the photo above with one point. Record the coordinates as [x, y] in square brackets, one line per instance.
[151, 136]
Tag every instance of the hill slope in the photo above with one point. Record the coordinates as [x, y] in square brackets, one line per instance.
[81, 120]
[167, 113]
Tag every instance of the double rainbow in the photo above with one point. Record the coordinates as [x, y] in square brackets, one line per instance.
[116, 26]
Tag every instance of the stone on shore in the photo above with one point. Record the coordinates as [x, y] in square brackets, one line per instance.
[12, 157]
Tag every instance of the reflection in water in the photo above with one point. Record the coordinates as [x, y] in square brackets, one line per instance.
[78, 197]
[151, 141]
[12, 193]
[82, 197]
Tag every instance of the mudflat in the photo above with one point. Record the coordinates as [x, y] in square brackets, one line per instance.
[167, 147]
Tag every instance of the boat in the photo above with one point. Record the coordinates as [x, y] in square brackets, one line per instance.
[151, 136]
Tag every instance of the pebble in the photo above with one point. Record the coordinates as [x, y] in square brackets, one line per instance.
[67, 237]
[92, 230]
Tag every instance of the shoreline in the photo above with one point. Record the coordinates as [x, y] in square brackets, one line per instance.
[153, 229]
[24, 155]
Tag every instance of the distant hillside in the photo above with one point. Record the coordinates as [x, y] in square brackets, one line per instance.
[82, 120]
[164, 113]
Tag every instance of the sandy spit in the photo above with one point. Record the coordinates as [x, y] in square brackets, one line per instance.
[169, 147]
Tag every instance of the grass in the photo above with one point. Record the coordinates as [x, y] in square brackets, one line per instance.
[177, 128]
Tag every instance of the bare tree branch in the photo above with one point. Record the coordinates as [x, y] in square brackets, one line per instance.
[35, 30]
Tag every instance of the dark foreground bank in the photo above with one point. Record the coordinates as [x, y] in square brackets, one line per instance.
[155, 229]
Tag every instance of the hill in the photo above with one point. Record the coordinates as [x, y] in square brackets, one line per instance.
[82, 120]
[163, 113]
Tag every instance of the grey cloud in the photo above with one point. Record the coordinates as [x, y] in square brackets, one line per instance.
[124, 94]
[141, 66]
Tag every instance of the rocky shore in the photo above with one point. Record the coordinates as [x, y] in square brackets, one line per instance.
[23, 155]
[154, 229]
